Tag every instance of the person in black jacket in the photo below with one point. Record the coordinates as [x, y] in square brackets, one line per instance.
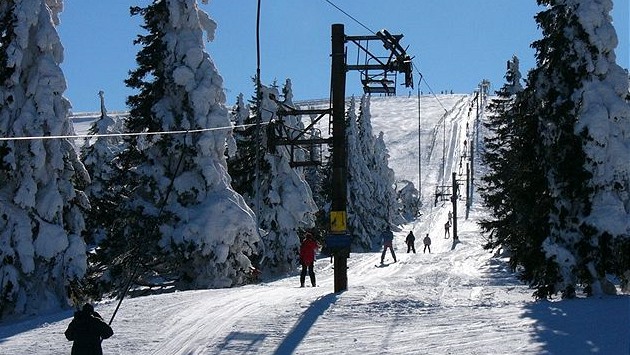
[87, 330]
[411, 240]
[427, 244]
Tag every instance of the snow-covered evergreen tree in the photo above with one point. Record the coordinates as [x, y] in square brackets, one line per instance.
[41, 209]
[98, 157]
[577, 97]
[513, 77]
[369, 179]
[498, 190]
[316, 175]
[7, 35]
[286, 199]
[377, 157]
[515, 189]
[408, 200]
[319, 178]
[603, 124]
[242, 162]
[386, 183]
[360, 186]
[179, 220]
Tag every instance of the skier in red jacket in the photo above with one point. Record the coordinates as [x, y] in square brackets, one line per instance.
[308, 249]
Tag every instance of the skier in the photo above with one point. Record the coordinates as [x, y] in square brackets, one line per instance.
[411, 239]
[447, 230]
[87, 330]
[388, 238]
[308, 249]
[427, 244]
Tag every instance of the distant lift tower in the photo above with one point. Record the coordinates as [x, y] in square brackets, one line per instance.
[378, 76]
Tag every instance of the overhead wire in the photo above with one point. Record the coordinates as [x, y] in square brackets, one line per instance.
[422, 78]
[128, 134]
[350, 16]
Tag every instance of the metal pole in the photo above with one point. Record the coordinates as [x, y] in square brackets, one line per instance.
[468, 191]
[127, 285]
[339, 184]
[444, 150]
[472, 172]
[258, 117]
[454, 200]
[419, 150]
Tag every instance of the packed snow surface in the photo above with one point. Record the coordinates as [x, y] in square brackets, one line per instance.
[456, 300]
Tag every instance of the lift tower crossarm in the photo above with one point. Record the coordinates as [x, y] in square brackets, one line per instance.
[370, 37]
[379, 72]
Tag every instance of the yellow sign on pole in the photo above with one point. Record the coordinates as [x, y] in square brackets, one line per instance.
[338, 222]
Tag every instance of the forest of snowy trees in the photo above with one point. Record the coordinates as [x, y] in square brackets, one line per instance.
[174, 201]
[180, 209]
[558, 184]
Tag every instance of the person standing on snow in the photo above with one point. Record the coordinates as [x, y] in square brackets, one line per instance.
[388, 238]
[427, 244]
[308, 249]
[410, 240]
[447, 230]
[87, 330]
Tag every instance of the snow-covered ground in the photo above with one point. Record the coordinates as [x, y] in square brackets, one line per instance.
[459, 300]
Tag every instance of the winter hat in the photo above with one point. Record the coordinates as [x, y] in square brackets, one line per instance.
[88, 308]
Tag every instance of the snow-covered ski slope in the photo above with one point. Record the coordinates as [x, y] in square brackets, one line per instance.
[452, 301]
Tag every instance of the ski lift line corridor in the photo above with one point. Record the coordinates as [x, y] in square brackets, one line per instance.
[436, 137]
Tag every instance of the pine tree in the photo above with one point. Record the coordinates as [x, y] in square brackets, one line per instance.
[41, 212]
[318, 178]
[386, 183]
[7, 36]
[581, 111]
[515, 188]
[242, 163]
[369, 179]
[560, 204]
[377, 157]
[501, 140]
[97, 155]
[286, 200]
[408, 198]
[179, 222]
[360, 186]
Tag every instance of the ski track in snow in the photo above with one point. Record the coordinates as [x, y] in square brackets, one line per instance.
[456, 300]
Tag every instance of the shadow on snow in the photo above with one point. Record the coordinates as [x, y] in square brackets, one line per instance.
[304, 324]
[12, 328]
[582, 326]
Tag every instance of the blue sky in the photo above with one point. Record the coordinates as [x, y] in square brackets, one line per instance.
[455, 43]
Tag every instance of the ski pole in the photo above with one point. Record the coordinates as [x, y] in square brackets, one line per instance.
[127, 286]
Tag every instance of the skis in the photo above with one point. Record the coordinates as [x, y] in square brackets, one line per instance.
[383, 265]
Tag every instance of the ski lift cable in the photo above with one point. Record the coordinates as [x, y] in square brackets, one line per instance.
[128, 134]
[422, 78]
[258, 125]
[350, 16]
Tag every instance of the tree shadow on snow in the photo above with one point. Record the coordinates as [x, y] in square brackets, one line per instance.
[14, 327]
[304, 324]
[582, 326]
